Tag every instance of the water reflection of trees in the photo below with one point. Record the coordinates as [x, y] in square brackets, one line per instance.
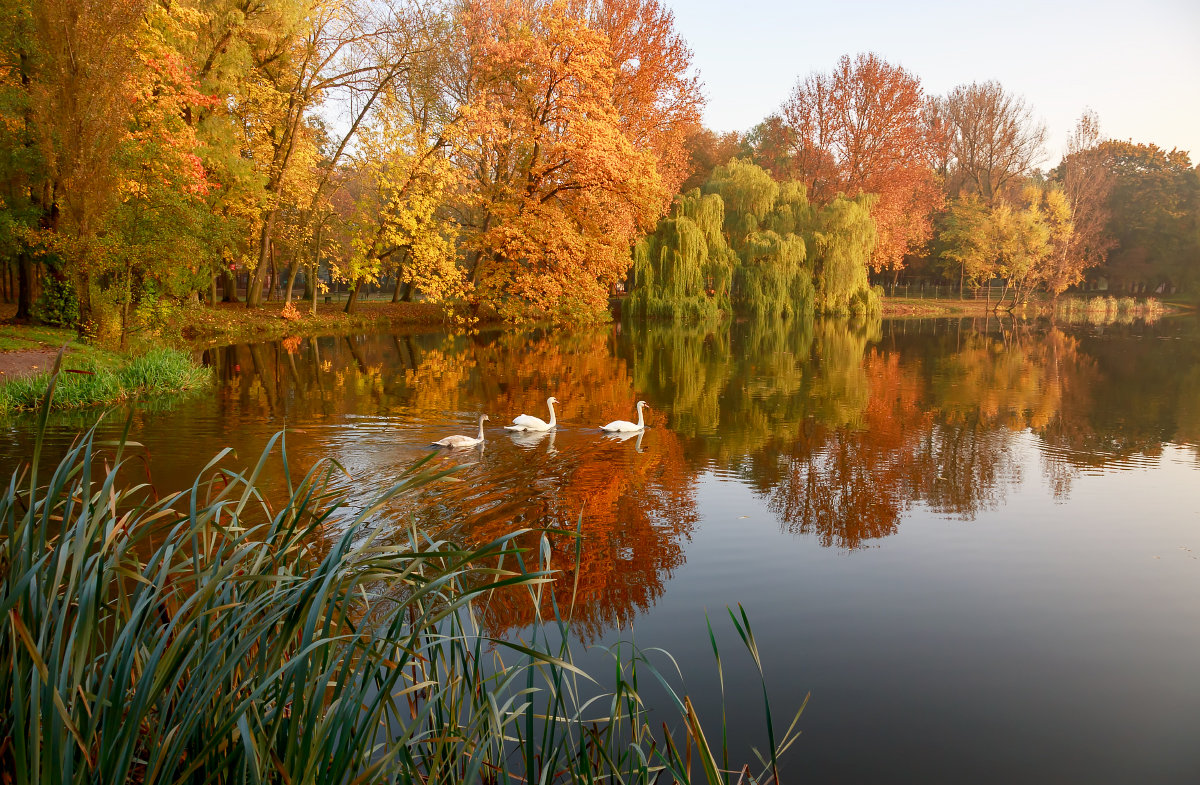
[844, 428]
[840, 427]
[634, 509]
[637, 507]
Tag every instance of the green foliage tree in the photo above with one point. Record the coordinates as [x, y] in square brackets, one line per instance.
[756, 247]
[682, 270]
[843, 236]
[763, 222]
[1155, 215]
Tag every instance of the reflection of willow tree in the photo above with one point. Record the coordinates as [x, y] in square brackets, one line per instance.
[636, 507]
[732, 387]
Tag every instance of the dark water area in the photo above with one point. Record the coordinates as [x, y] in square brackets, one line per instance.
[975, 543]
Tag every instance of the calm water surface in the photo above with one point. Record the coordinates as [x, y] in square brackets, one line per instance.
[976, 544]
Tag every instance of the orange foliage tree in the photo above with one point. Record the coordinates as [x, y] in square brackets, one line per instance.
[859, 129]
[655, 93]
[564, 148]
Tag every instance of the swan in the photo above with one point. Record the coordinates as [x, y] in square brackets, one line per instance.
[618, 426]
[525, 422]
[463, 441]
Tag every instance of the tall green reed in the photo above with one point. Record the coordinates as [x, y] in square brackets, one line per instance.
[217, 635]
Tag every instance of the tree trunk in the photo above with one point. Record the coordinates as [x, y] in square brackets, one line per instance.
[229, 283]
[396, 292]
[1003, 294]
[24, 287]
[293, 271]
[353, 300]
[255, 287]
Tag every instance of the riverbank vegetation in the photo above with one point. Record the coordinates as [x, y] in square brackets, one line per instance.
[220, 633]
[525, 160]
[92, 378]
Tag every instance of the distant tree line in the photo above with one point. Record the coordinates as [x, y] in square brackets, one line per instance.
[521, 159]
[954, 188]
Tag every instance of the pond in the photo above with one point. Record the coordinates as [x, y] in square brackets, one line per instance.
[976, 543]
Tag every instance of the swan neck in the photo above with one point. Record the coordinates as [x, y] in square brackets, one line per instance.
[553, 422]
[641, 422]
[480, 429]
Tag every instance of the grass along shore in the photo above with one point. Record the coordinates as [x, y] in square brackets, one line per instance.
[90, 375]
[93, 377]
[1095, 308]
[217, 634]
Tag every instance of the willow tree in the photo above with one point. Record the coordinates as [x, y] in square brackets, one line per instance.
[683, 269]
[761, 223]
[843, 237]
[783, 255]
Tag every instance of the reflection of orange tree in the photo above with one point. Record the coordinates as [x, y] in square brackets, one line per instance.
[636, 507]
[635, 515]
[848, 482]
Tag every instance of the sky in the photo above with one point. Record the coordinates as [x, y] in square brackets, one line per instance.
[1137, 64]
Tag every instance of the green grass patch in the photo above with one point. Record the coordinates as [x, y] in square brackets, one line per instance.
[91, 378]
[14, 338]
[217, 635]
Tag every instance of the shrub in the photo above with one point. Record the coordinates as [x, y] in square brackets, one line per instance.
[57, 304]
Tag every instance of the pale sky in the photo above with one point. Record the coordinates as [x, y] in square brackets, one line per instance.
[1137, 64]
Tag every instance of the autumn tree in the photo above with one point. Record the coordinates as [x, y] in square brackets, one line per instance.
[860, 130]
[1154, 203]
[558, 191]
[965, 240]
[706, 150]
[655, 92]
[994, 139]
[1086, 185]
[70, 72]
[337, 48]
[397, 225]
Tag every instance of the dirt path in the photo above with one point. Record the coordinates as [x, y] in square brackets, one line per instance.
[14, 365]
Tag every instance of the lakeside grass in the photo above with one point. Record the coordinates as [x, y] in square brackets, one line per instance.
[92, 377]
[222, 636]
[1083, 308]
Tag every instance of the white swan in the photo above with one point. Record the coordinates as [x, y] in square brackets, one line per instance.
[619, 426]
[463, 441]
[525, 422]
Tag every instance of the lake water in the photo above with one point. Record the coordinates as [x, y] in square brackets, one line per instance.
[975, 543]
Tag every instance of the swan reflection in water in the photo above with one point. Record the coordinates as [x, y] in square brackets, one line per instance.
[623, 436]
[530, 439]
